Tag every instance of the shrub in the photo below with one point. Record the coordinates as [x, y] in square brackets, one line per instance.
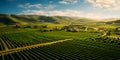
[17, 26]
[35, 26]
[28, 26]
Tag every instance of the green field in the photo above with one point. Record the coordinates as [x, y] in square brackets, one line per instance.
[59, 29]
[80, 47]
[33, 37]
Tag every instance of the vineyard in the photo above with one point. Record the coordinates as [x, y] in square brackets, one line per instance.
[82, 46]
[107, 40]
[14, 40]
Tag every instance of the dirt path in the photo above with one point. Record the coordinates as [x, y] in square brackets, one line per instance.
[114, 36]
[103, 34]
[4, 52]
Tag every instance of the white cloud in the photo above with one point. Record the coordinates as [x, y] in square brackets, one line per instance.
[71, 13]
[34, 12]
[28, 5]
[106, 4]
[38, 6]
[68, 1]
[50, 6]
[53, 13]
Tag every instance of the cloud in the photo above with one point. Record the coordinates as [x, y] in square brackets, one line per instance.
[34, 12]
[73, 13]
[53, 13]
[70, 13]
[50, 6]
[38, 6]
[68, 1]
[106, 4]
[28, 5]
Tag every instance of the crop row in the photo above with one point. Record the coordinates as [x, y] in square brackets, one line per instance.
[107, 40]
[14, 40]
[76, 49]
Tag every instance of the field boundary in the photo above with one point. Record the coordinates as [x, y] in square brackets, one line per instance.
[4, 52]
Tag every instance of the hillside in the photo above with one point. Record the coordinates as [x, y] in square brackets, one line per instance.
[116, 21]
[8, 19]
[113, 22]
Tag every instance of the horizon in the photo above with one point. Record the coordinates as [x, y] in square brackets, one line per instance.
[95, 9]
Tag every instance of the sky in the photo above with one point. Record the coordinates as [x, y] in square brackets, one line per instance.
[98, 9]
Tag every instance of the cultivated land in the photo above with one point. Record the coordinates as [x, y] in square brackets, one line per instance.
[31, 37]
[31, 46]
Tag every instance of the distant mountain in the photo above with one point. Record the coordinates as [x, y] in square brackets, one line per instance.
[110, 19]
[10, 19]
[113, 22]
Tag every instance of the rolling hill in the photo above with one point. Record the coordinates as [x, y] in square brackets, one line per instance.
[115, 22]
[11, 19]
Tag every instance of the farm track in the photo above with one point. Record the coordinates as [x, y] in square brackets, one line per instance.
[4, 52]
[114, 36]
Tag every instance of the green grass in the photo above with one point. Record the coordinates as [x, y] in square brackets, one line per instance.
[73, 35]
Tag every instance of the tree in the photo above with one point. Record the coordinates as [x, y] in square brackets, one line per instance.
[35, 26]
[17, 26]
[28, 26]
[109, 33]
